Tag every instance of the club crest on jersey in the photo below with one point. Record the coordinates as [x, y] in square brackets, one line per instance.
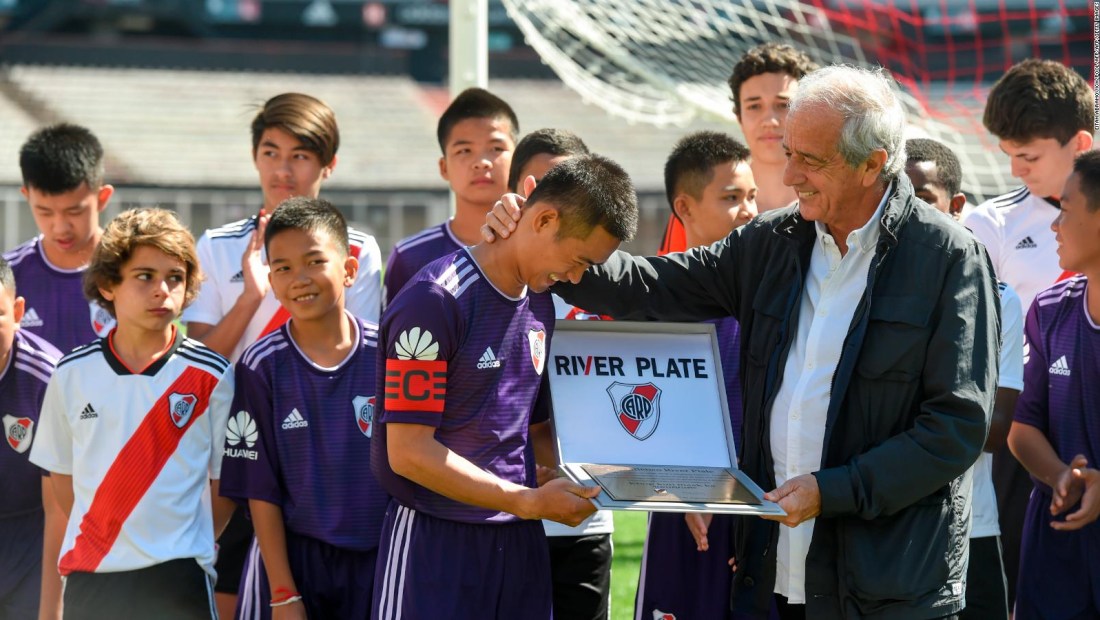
[180, 407]
[19, 432]
[537, 340]
[102, 321]
[637, 407]
[364, 413]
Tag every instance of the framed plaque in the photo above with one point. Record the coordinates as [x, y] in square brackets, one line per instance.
[640, 411]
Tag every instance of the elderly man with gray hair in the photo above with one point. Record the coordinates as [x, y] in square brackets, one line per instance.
[870, 329]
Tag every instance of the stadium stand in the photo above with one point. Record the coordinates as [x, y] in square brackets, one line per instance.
[179, 138]
[190, 128]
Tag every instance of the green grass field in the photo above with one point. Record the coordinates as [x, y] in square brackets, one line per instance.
[628, 539]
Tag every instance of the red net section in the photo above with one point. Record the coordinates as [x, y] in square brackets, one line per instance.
[948, 52]
[945, 54]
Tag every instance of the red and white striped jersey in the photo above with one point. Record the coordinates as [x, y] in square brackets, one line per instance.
[141, 449]
[220, 250]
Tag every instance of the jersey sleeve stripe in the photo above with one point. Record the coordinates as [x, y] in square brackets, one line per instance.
[42, 348]
[128, 479]
[419, 238]
[416, 385]
[197, 348]
[35, 371]
[258, 347]
[466, 285]
[234, 230]
[218, 367]
[1011, 198]
[84, 351]
[258, 356]
[17, 255]
[1073, 287]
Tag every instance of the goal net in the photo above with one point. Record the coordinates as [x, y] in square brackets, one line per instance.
[664, 62]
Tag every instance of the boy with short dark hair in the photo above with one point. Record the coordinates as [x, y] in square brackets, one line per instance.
[937, 179]
[307, 392]
[132, 428]
[1042, 114]
[26, 363]
[1056, 431]
[685, 568]
[62, 167]
[761, 86]
[476, 134]
[539, 151]
[464, 347]
[580, 556]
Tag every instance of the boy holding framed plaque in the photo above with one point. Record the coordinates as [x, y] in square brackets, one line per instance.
[464, 347]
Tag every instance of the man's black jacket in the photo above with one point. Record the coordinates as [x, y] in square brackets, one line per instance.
[911, 398]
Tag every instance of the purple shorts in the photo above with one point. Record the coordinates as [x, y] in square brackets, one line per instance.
[333, 582]
[678, 581]
[432, 568]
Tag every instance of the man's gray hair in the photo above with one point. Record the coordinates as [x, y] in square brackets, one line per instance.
[873, 116]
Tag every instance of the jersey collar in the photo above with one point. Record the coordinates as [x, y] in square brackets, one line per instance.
[122, 369]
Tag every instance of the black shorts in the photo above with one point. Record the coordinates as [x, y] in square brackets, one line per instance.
[173, 590]
[232, 548]
[986, 586]
[580, 567]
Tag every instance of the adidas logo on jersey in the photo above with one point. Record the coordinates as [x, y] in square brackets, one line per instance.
[1026, 244]
[88, 412]
[488, 360]
[237, 277]
[30, 319]
[294, 420]
[241, 430]
[1060, 367]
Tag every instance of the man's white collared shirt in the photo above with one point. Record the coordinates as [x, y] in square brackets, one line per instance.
[832, 290]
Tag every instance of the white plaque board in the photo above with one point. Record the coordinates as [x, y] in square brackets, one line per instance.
[650, 397]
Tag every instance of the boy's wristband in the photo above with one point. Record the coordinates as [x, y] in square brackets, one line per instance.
[287, 600]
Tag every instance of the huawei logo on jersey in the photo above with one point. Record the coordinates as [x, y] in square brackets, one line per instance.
[241, 430]
[416, 380]
[416, 344]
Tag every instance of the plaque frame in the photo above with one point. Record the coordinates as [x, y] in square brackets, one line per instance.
[565, 434]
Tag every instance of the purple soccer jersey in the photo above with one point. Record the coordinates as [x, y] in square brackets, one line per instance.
[1061, 398]
[411, 254]
[1061, 395]
[299, 436]
[22, 386]
[462, 357]
[57, 310]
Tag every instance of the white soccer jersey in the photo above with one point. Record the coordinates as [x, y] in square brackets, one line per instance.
[140, 449]
[220, 251]
[984, 521]
[1015, 228]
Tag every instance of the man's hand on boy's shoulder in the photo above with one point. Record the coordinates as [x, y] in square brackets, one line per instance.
[559, 500]
[253, 270]
[500, 222]
[1078, 485]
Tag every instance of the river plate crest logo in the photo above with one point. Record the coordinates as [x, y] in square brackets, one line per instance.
[637, 407]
